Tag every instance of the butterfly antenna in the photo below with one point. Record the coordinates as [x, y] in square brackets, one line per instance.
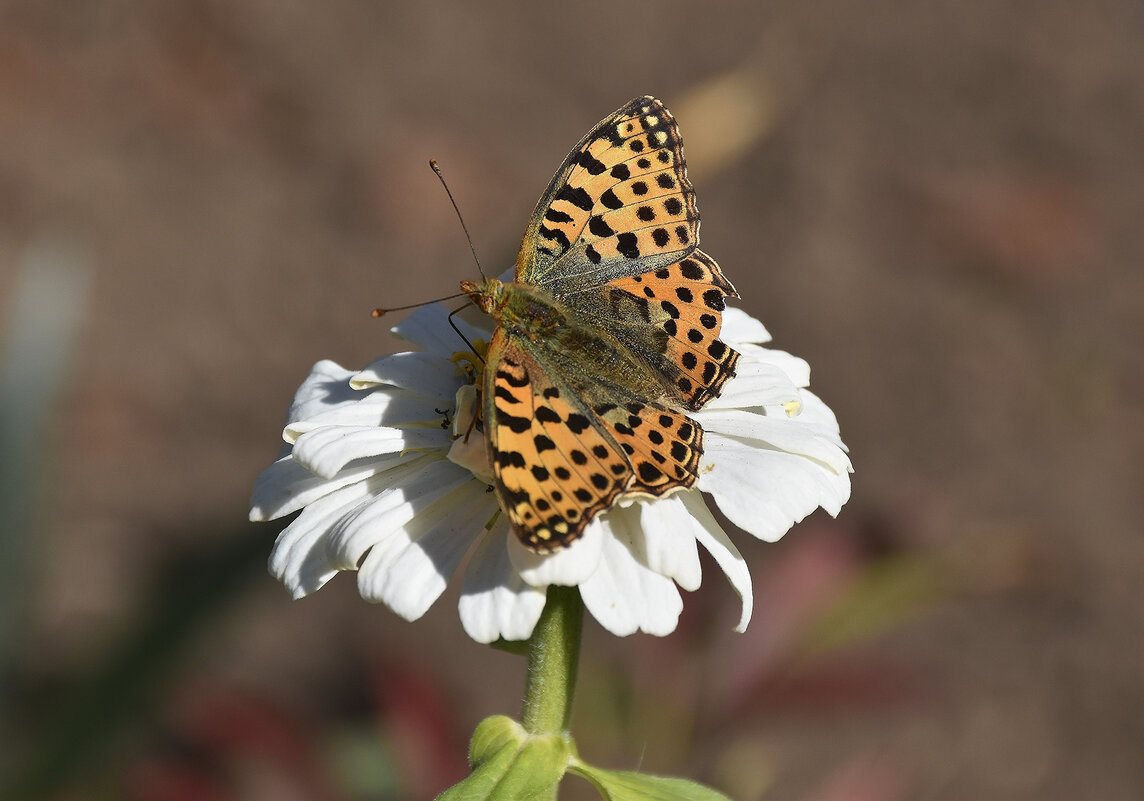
[437, 169]
[379, 312]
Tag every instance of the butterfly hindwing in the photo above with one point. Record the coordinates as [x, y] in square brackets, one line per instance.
[662, 446]
[678, 311]
[554, 468]
[562, 454]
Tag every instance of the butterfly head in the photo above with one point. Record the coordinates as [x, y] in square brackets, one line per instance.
[487, 294]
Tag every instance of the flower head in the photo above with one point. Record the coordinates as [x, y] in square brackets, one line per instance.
[391, 482]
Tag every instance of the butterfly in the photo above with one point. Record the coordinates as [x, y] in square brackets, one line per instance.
[606, 338]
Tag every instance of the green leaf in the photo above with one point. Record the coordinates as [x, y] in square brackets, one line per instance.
[509, 764]
[625, 785]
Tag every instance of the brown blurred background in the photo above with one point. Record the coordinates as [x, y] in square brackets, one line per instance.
[938, 204]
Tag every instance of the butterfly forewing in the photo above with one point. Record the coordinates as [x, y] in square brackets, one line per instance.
[555, 466]
[619, 205]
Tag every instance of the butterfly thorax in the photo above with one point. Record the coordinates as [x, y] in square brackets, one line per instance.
[522, 310]
[563, 337]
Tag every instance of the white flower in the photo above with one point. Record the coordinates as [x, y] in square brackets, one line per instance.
[386, 489]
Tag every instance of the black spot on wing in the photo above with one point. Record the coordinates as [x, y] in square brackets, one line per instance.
[504, 394]
[609, 200]
[628, 244]
[577, 197]
[556, 235]
[599, 228]
[510, 459]
[518, 425]
[590, 163]
[552, 215]
[649, 473]
[691, 270]
[577, 423]
[511, 378]
[714, 300]
[545, 415]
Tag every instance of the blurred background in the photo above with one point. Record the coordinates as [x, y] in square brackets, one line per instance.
[938, 204]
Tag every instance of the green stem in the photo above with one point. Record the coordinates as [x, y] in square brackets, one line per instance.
[553, 651]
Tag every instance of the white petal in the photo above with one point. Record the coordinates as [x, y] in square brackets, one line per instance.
[286, 486]
[381, 406]
[817, 414]
[711, 536]
[495, 601]
[409, 579]
[568, 566]
[428, 328]
[765, 492]
[327, 450]
[775, 433]
[669, 543]
[422, 373]
[326, 388]
[624, 594]
[740, 327]
[379, 524]
[301, 558]
[469, 448]
[796, 370]
[755, 384]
